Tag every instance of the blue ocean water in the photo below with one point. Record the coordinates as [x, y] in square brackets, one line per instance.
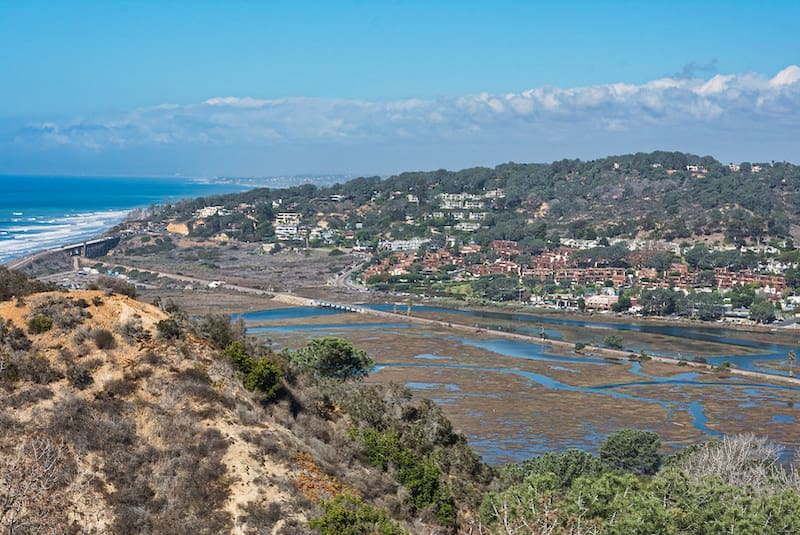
[40, 212]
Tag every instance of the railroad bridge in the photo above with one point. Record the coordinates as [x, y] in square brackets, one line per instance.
[338, 306]
[93, 248]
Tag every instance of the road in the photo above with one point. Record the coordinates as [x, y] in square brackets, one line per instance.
[344, 279]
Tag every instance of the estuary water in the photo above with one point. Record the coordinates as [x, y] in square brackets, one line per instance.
[701, 406]
[41, 212]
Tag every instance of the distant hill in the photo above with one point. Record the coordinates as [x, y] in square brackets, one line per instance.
[658, 195]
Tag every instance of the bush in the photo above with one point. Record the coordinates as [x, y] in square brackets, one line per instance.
[243, 362]
[37, 369]
[97, 300]
[39, 324]
[79, 376]
[115, 285]
[219, 330]
[421, 477]
[566, 467]
[168, 329]
[15, 283]
[334, 358]
[264, 377]
[133, 330]
[348, 515]
[614, 341]
[632, 450]
[103, 339]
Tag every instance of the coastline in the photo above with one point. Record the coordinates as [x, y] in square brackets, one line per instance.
[76, 209]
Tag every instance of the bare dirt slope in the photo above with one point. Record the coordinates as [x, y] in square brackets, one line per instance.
[106, 428]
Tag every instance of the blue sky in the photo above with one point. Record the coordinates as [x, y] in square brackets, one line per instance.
[263, 88]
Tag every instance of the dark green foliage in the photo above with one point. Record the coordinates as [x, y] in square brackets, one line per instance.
[39, 324]
[632, 450]
[762, 311]
[497, 287]
[658, 302]
[566, 467]
[349, 515]
[169, 329]
[241, 360]
[332, 358]
[264, 377]
[421, 477]
[704, 306]
[260, 375]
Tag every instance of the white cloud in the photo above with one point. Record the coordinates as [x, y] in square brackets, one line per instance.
[722, 103]
[788, 76]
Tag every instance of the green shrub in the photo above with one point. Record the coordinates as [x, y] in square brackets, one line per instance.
[632, 450]
[264, 377]
[97, 300]
[333, 358]
[243, 362]
[39, 324]
[349, 515]
[420, 476]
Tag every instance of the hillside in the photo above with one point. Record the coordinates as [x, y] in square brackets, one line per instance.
[659, 195]
[124, 417]
[113, 427]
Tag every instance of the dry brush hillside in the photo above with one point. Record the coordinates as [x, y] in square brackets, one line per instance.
[109, 428]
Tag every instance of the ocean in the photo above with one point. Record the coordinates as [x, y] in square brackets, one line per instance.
[41, 212]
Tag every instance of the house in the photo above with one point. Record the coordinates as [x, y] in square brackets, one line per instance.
[468, 226]
[208, 211]
[288, 218]
[600, 302]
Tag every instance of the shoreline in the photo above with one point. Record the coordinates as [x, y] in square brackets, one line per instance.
[38, 230]
[567, 347]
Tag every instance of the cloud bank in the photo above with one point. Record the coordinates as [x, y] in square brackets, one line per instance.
[746, 114]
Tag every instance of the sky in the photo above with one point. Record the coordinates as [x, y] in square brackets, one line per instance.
[250, 88]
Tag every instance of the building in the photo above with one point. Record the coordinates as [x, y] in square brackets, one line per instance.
[600, 302]
[288, 218]
[468, 226]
